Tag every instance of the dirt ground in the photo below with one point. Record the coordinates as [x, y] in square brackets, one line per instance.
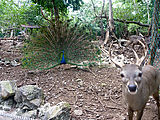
[95, 92]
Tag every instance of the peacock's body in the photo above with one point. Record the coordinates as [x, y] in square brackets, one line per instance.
[59, 44]
[62, 58]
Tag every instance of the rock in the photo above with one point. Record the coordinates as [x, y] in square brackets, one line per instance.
[78, 112]
[78, 80]
[43, 109]
[14, 63]
[36, 102]
[7, 63]
[6, 108]
[7, 89]
[103, 84]
[30, 114]
[27, 101]
[30, 96]
[1, 107]
[1, 62]
[7, 104]
[60, 111]
[12, 116]
[5, 118]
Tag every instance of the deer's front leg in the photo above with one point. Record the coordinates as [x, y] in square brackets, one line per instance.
[130, 113]
[156, 97]
[139, 114]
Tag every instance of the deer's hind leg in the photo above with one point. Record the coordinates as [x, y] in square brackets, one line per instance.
[156, 97]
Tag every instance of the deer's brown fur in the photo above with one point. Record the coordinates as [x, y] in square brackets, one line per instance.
[139, 82]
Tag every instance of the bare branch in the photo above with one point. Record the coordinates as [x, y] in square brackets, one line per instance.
[44, 15]
[101, 22]
[94, 8]
[135, 22]
[51, 14]
[102, 8]
[125, 21]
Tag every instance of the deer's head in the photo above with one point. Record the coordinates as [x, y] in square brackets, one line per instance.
[131, 74]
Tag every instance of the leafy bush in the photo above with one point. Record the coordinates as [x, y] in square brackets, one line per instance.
[121, 30]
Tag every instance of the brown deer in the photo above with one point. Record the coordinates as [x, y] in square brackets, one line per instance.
[138, 83]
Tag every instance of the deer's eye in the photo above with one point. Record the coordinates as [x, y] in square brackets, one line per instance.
[139, 74]
[122, 75]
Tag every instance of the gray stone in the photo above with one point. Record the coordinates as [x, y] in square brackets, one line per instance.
[7, 89]
[1, 107]
[78, 112]
[30, 114]
[30, 95]
[12, 116]
[7, 63]
[60, 111]
[6, 108]
[7, 104]
[1, 62]
[14, 63]
[43, 109]
[5, 118]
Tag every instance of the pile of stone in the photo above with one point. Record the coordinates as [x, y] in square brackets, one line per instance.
[27, 103]
[7, 62]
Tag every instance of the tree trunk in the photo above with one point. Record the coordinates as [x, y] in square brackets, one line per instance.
[154, 33]
[110, 29]
[111, 21]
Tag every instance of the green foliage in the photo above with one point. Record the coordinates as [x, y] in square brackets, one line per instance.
[46, 48]
[14, 15]
[130, 11]
[86, 16]
[62, 5]
[31, 14]
[121, 30]
[132, 28]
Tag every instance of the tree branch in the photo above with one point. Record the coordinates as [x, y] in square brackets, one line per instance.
[101, 22]
[102, 7]
[51, 14]
[134, 22]
[44, 15]
[127, 22]
[94, 8]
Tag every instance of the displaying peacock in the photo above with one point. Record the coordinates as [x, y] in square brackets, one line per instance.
[59, 44]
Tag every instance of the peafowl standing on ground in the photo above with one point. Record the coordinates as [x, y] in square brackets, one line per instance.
[59, 44]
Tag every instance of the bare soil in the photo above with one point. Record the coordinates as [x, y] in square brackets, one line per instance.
[97, 92]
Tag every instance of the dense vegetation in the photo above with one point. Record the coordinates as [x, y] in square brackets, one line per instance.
[92, 14]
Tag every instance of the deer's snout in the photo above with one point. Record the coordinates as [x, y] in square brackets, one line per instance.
[132, 87]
